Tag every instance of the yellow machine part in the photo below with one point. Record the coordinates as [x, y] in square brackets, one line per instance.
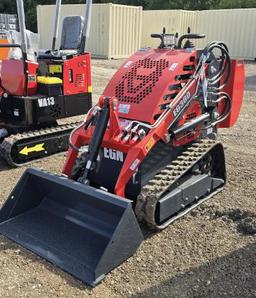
[55, 68]
[48, 80]
[89, 89]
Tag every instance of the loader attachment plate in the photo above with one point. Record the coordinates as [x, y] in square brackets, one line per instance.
[84, 231]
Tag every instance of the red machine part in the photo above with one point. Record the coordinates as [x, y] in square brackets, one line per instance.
[235, 88]
[77, 75]
[143, 82]
[136, 152]
[32, 80]
[13, 77]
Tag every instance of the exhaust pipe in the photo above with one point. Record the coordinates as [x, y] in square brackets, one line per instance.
[22, 25]
[87, 26]
[56, 24]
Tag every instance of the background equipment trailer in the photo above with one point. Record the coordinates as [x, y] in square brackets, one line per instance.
[147, 152]
[35, 94]
[8, 23]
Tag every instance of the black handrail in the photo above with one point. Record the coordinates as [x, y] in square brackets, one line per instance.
[189, 36]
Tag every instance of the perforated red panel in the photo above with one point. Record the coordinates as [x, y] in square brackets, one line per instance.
[140, 80]
[148, 80]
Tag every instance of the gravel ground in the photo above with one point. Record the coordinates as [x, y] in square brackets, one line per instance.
[209, 253]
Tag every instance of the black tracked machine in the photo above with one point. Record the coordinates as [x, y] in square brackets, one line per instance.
[36, 92]
[147, 152]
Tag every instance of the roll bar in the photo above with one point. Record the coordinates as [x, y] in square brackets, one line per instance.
[56, 24]
[22, 25]
[87, 25]
[86, 28]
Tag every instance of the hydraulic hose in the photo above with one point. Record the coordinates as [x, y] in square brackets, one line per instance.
[220, 78]
[225, 64]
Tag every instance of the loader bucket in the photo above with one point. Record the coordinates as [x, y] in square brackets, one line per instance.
[84, 231]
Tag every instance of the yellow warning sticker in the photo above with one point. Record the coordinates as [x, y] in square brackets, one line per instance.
[89, 89]
[55, 68]
[150, 144]
[37, 148]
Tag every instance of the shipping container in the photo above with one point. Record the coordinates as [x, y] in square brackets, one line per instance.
[173, 20]
[236, 27]
[115, 30]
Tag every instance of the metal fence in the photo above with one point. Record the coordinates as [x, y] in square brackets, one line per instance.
[115, 31]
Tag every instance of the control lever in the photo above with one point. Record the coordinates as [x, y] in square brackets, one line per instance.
[167, 40]
[189, 36]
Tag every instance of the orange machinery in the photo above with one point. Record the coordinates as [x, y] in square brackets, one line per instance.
[3, 52]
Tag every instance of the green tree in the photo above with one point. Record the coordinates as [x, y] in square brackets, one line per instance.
[236, 4]
[7, 6]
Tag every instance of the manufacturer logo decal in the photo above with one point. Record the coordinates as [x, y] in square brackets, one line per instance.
[113, 155]
[139, 80]
[183, 102]
[46, 102]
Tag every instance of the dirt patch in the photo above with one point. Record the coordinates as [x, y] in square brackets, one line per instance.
[209, 253]
[245, 220]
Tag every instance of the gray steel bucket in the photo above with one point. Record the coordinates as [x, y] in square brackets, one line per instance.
[84, 231]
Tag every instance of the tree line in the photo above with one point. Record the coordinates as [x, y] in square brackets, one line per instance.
[7, 6]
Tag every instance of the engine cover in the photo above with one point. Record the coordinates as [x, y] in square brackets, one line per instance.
[149, 79]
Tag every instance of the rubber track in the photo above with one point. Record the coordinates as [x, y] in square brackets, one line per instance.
[10, 141]
[153, 191]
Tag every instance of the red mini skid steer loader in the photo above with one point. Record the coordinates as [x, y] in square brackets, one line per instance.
[146, 153]
[36, 92]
